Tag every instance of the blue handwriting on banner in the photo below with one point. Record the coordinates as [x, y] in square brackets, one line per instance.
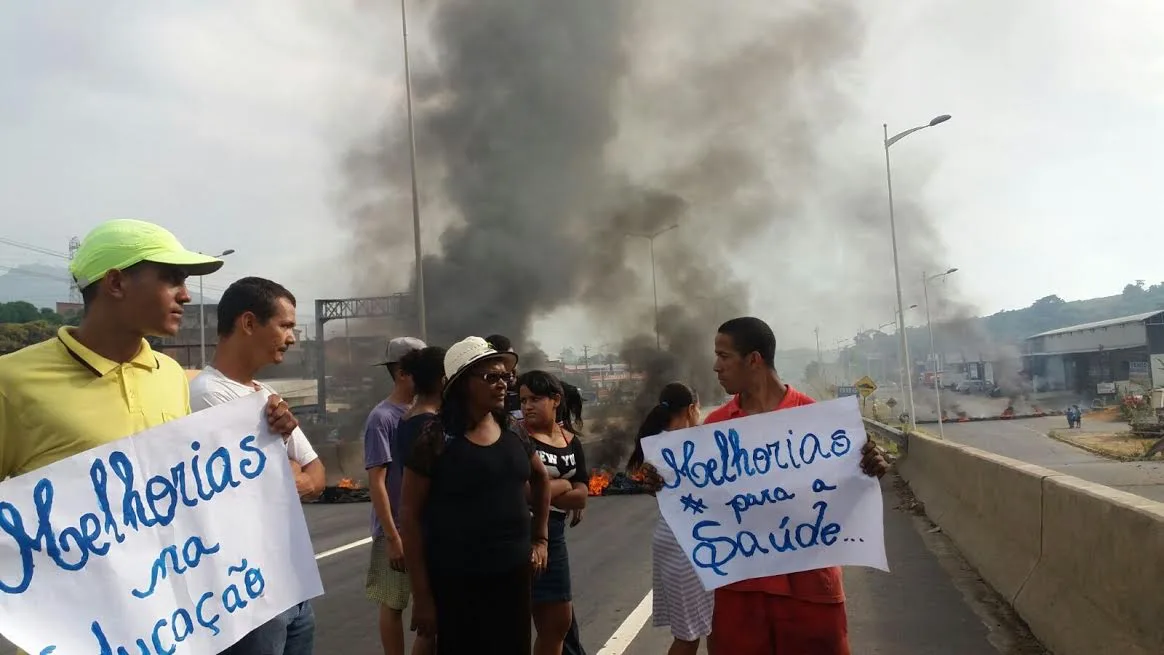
[696, 505]
[733, 462]
[184, 621]
[715, 549]
[741, 503]
[168, 560]
[70, 548]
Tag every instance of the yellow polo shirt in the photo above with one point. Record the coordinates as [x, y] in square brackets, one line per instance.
[58, 398]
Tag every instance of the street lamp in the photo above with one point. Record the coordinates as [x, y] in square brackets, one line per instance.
[848, 359]
[933, 353]
[903, 360]
[893, 235]
[202, 308]
[419, 291]
[654, 285]
[877, 352]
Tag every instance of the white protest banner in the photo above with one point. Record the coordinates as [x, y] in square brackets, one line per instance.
[772, 493]
[179, 539]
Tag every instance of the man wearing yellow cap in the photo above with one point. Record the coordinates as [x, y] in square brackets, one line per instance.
[101, 381]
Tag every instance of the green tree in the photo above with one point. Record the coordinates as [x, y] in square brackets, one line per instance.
[14, 336]
[19, 312]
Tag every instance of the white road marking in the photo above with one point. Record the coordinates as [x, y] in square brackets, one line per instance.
[336, 551]
[630, 628]
[616, 645]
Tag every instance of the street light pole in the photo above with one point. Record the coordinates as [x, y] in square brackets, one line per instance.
[419, 291]
[847, 362]
[903, 361]
[655, 292]
[202, 310]
[896, 267]
[654, 284]
[816, 331]
[933, 352]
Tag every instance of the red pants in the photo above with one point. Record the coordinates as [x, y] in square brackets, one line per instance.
[755, 623]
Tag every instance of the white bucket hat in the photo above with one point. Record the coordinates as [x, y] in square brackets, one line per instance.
[469, 351]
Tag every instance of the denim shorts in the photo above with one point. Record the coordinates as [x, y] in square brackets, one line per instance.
[553, 585]
[289, 633]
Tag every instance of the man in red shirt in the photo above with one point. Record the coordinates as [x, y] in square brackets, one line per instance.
[799, 613]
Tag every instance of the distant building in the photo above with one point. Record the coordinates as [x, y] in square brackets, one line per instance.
[1099, 358]
[186, 346]
[603, 376]
[67, 309]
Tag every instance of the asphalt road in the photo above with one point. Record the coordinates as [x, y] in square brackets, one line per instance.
[922, 606]
[1027, 440]
[931, 602]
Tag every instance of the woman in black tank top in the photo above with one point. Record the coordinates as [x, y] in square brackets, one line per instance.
[465, 494]
[561, 453]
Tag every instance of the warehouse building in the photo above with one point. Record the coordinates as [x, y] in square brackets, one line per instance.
[1114, 356]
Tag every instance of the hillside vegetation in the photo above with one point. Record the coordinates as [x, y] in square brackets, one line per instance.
[1052, 312]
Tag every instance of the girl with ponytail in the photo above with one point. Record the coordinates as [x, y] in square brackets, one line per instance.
[680, 600]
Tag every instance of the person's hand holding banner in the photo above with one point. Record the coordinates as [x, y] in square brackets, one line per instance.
[773, 493]
[180, 539]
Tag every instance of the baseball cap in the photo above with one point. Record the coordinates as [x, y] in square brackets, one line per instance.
[398, 348]
[120, 243]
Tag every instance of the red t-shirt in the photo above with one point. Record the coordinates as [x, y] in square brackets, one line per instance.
[816, 586]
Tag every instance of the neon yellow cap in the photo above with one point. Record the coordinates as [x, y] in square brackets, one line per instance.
[123, 242]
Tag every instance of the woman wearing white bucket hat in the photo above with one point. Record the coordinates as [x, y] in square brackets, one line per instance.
[465, 493]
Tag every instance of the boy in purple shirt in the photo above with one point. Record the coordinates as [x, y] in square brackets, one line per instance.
[387, 583]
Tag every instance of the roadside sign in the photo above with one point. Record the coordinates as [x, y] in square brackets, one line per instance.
[866, 386]
[843, 392]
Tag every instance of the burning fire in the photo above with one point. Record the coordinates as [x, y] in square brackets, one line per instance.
[605, 482]
[599, 481]
[348, 483]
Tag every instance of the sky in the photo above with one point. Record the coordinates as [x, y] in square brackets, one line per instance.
[227, 122]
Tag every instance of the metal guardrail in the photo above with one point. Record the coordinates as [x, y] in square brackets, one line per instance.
[897, 437]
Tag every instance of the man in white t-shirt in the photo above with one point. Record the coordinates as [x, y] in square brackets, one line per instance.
[256, 326]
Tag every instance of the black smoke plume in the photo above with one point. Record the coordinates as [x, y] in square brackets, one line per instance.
[550, 132]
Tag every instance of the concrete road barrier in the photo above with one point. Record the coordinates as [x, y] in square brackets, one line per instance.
[1078, 561]
[892, 435]
[1096, 588]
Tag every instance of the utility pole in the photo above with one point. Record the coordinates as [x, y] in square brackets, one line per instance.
[586, 363]
[422, 318]
[926, 279]
[848, 360]
[654, 284]
[202, 312]
[74, 291]
[907, 374]
[348, 340]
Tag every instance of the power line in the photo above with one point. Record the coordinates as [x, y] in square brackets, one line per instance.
[53, 253]
[38, 249]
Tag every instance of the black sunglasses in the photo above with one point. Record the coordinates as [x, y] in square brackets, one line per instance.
[492, 378]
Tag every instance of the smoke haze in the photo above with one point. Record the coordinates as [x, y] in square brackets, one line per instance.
[549, 133]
